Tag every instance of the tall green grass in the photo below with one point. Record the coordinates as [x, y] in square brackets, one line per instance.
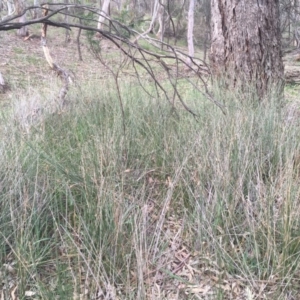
[88, 209]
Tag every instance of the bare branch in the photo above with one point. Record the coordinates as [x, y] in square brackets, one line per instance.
[137, 54]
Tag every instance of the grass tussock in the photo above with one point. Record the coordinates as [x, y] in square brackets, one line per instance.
[176, 207]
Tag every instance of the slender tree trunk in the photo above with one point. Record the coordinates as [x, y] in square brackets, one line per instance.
[190, 31]
[10, 8]
[207, 18]
[36, 12]
[20, 6]
[154, 12]
[104, 14]
[179, 16]
[66, 20]
[161, 20]
[246, 44]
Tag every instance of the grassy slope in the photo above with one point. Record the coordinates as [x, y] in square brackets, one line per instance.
[175, 208]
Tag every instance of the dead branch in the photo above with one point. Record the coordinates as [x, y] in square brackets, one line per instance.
[63, 74]
[136, 53]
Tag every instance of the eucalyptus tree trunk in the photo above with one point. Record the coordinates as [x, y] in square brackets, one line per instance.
[20, 6]
[161, 20]
[10, 8]
[246, 44]
[103, 14]
[190, 32]
[207, 20]
[36, 12]
[154, 12]
[66, 20]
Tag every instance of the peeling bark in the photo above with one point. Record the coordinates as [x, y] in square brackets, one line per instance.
[246, 45]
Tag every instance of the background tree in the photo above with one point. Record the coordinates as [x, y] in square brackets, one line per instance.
[246, 44]
[20, 6]
[205, 13]
[190, 32]
[9, 7]
[104, 14]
